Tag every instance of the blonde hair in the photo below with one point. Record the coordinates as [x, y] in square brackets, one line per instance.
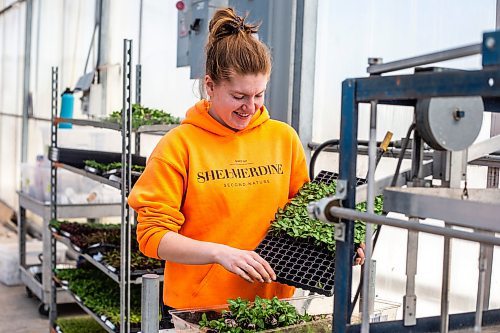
[232, 47]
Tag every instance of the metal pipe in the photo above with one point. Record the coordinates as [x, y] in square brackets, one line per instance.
[425, 59]
[370, 198]
[483, 148]
[26, 81]
[150, 300]
[455, 178]
[351, 214]
[410, 299]
[445, 283]
[488, 253]
[390, 152]
[483, 262]
[297, 65]
[53, 191]
[347, 171]
[12, 5]
[139, 49]
[125, 248]
[416, 174]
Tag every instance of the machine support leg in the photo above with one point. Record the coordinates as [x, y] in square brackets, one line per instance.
[410, 299]
[483, 263]
[445, 284]
[345, 250]
[367, 301]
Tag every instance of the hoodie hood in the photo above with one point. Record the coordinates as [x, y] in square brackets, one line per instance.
[198, 116]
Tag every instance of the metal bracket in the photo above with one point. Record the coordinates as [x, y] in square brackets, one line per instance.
[491, 48]
[54, 154]
[341, 190]
[320, 209]
[340, 231]
[410, 306]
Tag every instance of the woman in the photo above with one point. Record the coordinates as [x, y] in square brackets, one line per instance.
[213, 184]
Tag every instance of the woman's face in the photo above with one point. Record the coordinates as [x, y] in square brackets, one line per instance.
[235, 101]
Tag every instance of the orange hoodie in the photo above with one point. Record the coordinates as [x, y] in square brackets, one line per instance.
[210, 183]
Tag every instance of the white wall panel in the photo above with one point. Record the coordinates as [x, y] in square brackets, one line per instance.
[349, 32]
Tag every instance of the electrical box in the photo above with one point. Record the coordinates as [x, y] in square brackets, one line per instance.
[192, 22]
[193, 18]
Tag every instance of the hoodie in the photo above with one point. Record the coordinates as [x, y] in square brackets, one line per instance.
[211, 183]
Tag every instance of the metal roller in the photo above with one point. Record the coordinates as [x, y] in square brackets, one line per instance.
[449, 123]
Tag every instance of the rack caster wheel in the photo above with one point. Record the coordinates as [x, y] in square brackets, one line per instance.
[29, 293]
[43, 310]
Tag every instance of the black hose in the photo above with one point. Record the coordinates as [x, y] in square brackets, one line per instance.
[402, 153]
[318, 150]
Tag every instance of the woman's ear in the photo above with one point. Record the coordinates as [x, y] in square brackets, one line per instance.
[209, 86]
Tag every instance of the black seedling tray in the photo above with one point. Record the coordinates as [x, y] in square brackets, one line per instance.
[300, 263]
[328, 177]
[77, 157]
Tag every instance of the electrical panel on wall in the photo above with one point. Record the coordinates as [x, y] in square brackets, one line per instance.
[192, 27]
[192, 22]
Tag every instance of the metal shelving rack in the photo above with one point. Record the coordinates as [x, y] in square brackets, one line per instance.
[124, 185]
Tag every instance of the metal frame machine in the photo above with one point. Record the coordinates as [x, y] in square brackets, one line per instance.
[448, 114]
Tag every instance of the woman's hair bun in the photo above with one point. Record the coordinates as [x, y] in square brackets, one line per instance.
[233, 49]
[226, 22]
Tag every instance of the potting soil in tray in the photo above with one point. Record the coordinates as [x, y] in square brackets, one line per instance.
[297, 261]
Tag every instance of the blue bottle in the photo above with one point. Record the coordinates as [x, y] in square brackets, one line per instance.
[67, 103]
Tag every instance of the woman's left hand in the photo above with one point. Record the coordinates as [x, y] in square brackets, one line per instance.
[360, 255]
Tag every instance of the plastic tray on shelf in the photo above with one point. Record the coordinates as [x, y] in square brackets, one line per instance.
[298, 262]
[74, 160]
[94, 254]
[105, 322]
[76, 157]
[101, 319]
[187, 320]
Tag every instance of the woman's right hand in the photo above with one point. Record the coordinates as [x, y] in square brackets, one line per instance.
[246, 264]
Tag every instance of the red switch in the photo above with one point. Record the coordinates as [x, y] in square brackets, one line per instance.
[180, 5]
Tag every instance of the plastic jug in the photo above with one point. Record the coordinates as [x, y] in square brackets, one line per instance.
[67, 103]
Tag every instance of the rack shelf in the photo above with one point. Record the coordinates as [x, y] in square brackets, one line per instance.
[159, 129]
[106, 324]
[108, 270]
[31, 282]
[91, 123]
[90, 175]
[41, 287]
